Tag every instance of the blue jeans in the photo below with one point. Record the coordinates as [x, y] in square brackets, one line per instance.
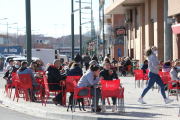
[113, 99]
[152, 79]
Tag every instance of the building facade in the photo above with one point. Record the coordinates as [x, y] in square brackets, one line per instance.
[174, 12]
[144, 23]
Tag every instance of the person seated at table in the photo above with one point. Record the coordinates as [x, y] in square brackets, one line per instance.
[174, 73]
[161, 62]
[54, 76]
[41, 64]
[38, 68]
[11, 70]
[107, 59]
[69, 66]
[127, 63]
[114, 61]
[144, 66]
[89, 79]
[75, 70]
[166, 67]
[32, 67]
[11, 63]
[108, 74]
[24, 70]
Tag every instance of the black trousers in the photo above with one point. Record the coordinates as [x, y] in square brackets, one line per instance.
[87, 65]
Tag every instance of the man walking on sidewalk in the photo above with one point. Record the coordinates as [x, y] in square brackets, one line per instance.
[87, 59]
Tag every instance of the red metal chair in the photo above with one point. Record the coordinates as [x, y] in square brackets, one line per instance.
[76, 91]
[138, 76]
[127, 69]
[15, 83]
[170, 87]
[7, 89]
[69, 82]
[111, 89]
[25, 84]
[47, 90]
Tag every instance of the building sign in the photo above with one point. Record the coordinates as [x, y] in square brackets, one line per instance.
[120, 31]
[12, 50]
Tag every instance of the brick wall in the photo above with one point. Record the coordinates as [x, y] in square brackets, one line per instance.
[114, 51]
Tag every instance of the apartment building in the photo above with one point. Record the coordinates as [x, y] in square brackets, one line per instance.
[144, 23]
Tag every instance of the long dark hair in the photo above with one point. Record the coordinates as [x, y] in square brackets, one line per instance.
[149, 51]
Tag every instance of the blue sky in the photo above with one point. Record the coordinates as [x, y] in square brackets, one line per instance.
[44, 14]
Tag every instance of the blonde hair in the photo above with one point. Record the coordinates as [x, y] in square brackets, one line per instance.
[177, 62]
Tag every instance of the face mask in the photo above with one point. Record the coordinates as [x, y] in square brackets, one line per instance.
[16, 66]
[178, 67]
[155, 52]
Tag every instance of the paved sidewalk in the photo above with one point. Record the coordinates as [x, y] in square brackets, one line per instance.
[154, 109]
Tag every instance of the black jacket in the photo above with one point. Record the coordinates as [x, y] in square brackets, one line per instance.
[78, 58]
[9, 72]
[128, 62]
[54, 76]
[105, 73]
[75, 71]
[114, 62]
[95, 58]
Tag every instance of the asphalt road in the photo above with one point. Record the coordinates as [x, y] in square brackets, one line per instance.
[9, 114]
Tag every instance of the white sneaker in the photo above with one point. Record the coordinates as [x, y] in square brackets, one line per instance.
[113, 108]
[168, 101]
[104, 108]
[141, 101]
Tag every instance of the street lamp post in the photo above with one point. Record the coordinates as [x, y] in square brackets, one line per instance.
[80, 32]
[72, 27]
[28, 30]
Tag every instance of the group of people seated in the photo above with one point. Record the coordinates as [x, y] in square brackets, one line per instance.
[54, 75]
[22, 68]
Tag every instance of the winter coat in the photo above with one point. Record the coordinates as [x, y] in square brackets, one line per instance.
[86, 59]
[105, 74]
[95, 58]
[78, 58]
[75, 71]
[54, 76]
[144, 67]
[174, 74]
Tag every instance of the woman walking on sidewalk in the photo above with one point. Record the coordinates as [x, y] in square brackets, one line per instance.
[153, 66]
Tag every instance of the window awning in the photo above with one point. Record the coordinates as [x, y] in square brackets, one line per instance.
[176, 29]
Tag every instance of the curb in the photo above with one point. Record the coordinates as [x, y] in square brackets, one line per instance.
[42, 113]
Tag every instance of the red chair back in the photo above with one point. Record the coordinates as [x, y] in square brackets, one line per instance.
[147, 71]
[110, 88]
[15, 79]
[46, 83]
[138, 74]
[70, 83]
[165, 77]
[25, 80]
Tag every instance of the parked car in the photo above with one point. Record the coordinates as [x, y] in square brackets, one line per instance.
[20, 59]
[6, 55]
